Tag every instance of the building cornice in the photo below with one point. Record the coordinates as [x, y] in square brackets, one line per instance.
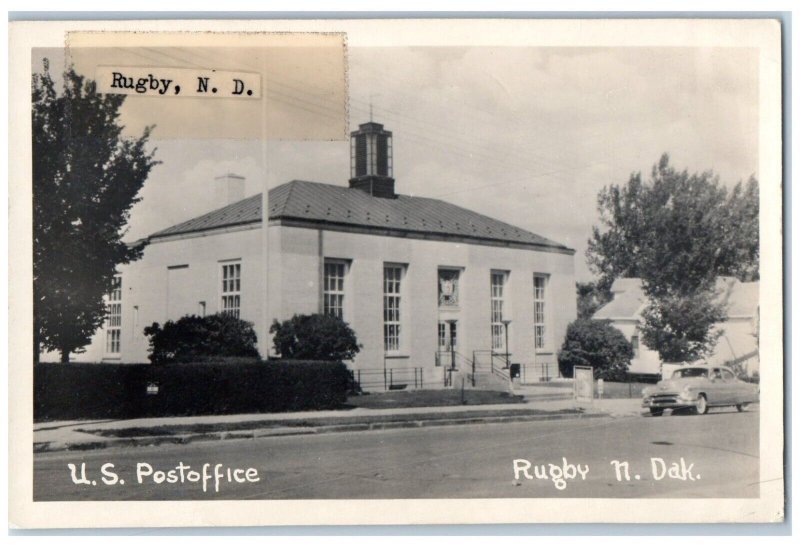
[367, 230]
[415, 234]
[233, 227]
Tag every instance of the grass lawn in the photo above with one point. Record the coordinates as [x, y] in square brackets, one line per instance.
[611, 390]
[622, 390]
[189, 428]
[441, 397]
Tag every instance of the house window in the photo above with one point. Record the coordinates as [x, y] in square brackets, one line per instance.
[539, 312]
[392, 279]
[114, 319]
[231, 288]
[333, 288]
[635, 345]
[498, 286]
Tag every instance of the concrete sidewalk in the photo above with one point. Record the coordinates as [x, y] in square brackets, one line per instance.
[93, 434]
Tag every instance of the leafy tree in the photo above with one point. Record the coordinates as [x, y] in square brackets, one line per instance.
[591, 296]
[315, 337]
[678, 232]
[595, 344]
[682, 327]
[86, 178]
[192, 338]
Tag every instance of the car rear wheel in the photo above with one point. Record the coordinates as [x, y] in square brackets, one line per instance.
[701, 406]
[742, 407]
[656, 411]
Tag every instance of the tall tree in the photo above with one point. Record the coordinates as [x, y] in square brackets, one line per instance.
[86, 178]
[591, 297]
[678, 232]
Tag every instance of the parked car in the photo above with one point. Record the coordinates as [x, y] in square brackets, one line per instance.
[698, 388]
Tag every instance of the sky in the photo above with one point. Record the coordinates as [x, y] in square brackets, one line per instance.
[528, 135]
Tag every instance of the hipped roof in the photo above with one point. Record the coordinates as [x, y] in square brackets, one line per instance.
[335, 206]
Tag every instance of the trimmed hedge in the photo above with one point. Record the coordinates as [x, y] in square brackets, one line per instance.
[315, 336]
[191, 338]
[96, 391]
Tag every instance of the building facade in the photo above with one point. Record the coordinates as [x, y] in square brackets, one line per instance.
[425, 285]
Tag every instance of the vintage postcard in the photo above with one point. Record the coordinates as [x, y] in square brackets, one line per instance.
[395, 272]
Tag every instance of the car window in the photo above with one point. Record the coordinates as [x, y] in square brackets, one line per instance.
[690, 373]
[716, 374]
[727, 375]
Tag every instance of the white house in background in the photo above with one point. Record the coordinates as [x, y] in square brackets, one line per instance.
[738, 343]
[421, 281]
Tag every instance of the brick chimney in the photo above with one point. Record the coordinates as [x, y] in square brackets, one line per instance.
[229, 188]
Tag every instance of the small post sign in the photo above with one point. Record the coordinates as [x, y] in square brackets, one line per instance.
[583, 385]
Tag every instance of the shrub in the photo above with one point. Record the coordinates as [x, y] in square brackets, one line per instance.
[193, 338]
[313, 337]
[596, 344]
[104, 391]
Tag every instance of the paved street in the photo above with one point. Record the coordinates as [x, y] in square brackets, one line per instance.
[719, 451]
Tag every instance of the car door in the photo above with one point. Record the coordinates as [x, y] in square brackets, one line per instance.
[731, 391]
[716, 388]
[741, 392]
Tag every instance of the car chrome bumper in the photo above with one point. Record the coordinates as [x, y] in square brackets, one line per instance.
[667, 401]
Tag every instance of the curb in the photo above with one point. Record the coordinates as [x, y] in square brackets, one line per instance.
[43, 447]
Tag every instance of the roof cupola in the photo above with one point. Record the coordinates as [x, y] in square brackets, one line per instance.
[371, 160]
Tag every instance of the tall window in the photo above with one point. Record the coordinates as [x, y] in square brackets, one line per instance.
[333, 288]
[498, 304]
[392, 278]
[539, 311]
[114, 319]
[231, 288]
[635, 344]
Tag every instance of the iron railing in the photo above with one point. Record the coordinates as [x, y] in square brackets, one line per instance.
[538, 372]
[366, 379]
[490, 362]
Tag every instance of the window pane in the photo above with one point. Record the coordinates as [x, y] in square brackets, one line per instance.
[231, 289]
[539, 312]
[391, 307]
[333, 288]
[497, 285]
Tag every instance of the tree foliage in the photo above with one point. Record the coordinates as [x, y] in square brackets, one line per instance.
[315, 337]
[678, 232]
[682, 327]
[86, 178]
[591, 297]
[596, 344]
[192, 338]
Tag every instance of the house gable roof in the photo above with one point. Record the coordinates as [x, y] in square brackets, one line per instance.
[335, 207]
[740, 298]
[627, 302]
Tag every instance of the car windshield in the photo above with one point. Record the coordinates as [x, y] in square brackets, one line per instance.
[690, 373]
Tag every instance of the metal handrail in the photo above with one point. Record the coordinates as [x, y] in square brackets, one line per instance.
[491, 366]
[386, 378]
[451, 357]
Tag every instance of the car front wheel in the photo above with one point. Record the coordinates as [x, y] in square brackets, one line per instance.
[656, 411]
[742, 407]
[701, 406]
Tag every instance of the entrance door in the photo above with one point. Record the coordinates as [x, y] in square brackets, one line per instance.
[448, 342]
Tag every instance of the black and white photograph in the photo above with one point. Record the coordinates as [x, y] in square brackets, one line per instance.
[405, 272]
